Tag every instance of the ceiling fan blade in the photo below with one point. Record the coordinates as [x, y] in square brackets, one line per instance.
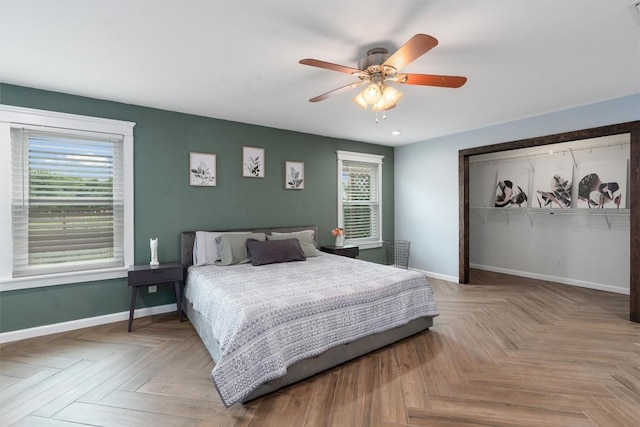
[335, 91]
[434, 80]
[417, 46]
[329, 66]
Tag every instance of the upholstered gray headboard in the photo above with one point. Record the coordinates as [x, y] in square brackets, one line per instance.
[187, 238]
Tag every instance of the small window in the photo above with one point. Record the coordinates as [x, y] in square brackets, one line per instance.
[360, 198]
[70, 198]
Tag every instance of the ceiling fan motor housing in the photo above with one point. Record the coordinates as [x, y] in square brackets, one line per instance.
[372, 63]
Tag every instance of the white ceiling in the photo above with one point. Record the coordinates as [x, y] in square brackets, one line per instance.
[238, 60]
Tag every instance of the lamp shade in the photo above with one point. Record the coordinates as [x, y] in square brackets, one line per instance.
[372, 93]
[389, 99]
[359, 99]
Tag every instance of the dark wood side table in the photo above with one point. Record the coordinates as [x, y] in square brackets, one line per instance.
[145, 275]
[351, 251]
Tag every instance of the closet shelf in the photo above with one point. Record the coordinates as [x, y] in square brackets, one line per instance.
[531, 213]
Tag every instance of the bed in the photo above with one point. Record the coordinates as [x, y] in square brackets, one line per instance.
[271, 325]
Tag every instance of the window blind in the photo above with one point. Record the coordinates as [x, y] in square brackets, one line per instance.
[68, 202]
[360, 202]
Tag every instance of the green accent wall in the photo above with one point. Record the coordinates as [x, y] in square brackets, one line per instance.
[165, 204]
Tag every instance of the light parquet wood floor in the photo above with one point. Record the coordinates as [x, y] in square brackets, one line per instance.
[505, 351]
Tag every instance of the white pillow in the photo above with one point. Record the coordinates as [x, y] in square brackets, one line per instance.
[205, 248]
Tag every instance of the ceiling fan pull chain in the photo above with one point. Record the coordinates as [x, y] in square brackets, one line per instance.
[377, 121]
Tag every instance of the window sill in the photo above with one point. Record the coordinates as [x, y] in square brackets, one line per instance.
[13, 284]
[364, 245]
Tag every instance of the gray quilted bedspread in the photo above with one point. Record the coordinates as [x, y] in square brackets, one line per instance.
[269, 317]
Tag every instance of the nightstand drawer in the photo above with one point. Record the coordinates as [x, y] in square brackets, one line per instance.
[143, 274]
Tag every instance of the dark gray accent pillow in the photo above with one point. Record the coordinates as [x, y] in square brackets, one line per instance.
[273, 251]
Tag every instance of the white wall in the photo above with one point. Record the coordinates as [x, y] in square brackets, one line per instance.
[584, 247]
[426, 177]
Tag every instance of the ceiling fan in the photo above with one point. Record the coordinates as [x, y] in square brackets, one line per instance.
[379, 68]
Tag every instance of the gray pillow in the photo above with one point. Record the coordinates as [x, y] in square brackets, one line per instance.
[273, 251]
[205, 247]
[305, 237]
[232, 248]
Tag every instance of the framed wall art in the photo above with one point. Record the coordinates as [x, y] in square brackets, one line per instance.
[294, 175]
[511, 188]
[253, 162]
[202, 169]
[602, 184]
[552, 186]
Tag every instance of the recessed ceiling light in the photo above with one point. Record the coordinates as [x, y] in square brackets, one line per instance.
[396, 133]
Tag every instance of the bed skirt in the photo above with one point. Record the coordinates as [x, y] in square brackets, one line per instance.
[309, 367]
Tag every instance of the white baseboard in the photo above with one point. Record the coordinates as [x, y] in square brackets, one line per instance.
[563, 280]
[83, 323]
[439, 276]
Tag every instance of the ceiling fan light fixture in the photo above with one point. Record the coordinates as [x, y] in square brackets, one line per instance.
[388, 100]
[382, 106]
[379, 106]
[391, 95]
[380, 67]
[359, 99]
[372, 93]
